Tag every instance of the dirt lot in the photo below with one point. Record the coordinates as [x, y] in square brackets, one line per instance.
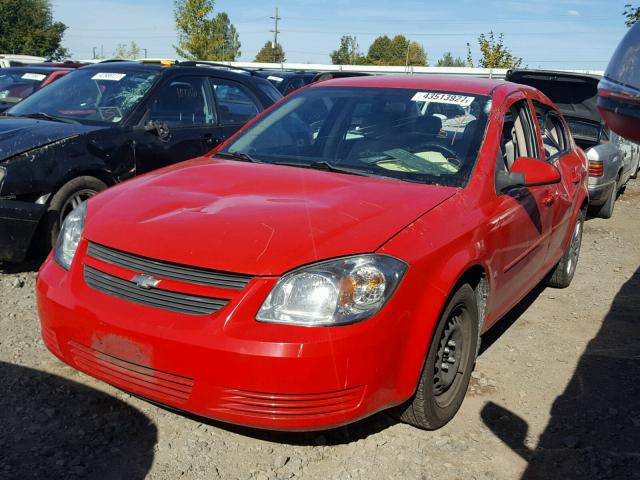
[555, 394]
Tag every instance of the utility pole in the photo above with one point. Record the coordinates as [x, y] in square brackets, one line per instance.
[94, 52]
[145, 52]
[275, 32]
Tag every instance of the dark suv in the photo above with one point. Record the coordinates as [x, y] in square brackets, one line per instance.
[103, 124]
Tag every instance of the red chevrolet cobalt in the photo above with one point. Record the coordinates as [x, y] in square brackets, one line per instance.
[339, 256]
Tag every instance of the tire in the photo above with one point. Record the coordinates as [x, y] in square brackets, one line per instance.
[69, 196]
[440, 392]
[562, 274]
[606, 210]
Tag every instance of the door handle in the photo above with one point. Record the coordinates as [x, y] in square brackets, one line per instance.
[210, 140]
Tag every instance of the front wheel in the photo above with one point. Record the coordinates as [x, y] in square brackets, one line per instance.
[562, 273]
[447, 369]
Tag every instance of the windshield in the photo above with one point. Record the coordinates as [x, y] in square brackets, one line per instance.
[413, 135]
[90, 96]
[16, 85]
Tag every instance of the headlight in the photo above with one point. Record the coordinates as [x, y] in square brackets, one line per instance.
[69, 237]
[335, 292]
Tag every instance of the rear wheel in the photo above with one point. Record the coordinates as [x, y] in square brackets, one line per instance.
[68, 197]
[562, 274]
[447, 369]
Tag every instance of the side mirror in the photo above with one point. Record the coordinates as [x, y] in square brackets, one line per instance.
[527, 172]
[159, 128]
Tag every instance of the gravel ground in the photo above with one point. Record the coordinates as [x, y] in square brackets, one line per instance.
[555, 394]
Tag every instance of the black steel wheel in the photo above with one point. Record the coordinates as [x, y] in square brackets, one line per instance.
[448, 366]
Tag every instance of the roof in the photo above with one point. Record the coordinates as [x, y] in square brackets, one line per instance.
[36, 69]
[476, 86]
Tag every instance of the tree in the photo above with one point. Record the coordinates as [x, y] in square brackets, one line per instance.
[348, 53]
[201, 36]
[271, 53]
[27, 28]
[396, 51]
[447, 60]
[123, 52]
[494, 53]
[632, 14]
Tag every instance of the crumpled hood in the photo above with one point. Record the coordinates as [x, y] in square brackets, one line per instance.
[254, 219]
[19, 134]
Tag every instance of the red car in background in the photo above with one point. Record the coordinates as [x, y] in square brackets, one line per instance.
[339, 256]
[17, 83]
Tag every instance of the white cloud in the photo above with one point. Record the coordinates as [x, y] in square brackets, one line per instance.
[574, 13]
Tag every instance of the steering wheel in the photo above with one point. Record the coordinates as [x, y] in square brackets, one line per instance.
[450, 154]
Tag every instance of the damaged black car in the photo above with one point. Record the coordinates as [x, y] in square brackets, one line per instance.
[103, 124]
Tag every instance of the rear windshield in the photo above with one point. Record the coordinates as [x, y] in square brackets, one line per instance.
[423, 136]
[90, 96]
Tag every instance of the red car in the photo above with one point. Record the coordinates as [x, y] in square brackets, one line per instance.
[339, 256]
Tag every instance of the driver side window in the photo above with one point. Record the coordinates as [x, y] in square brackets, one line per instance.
[183, 102]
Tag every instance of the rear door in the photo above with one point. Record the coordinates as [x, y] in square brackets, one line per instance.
[558, 151]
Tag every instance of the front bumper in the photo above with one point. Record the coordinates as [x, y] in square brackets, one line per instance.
[226, 365]
[18, 223]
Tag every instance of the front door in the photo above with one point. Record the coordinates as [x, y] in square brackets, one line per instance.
[185, 105]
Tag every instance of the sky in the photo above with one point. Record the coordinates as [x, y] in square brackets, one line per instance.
[571, 34]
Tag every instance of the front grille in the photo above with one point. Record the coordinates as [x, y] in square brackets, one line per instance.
[131, 376]
[279, 405]
[173, 271]
[154, 297]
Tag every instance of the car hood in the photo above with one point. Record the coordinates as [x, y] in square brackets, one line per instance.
[19, 134]
[574, 94]
[254, 219]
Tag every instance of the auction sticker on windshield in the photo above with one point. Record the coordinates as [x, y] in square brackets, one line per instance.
[110, 76]
[34, 76]
[462, 100]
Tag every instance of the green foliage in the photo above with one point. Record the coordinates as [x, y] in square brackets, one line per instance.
[202, 36]
[127, 52]
[348, 53]
[271, 54]
[27, 28]
[447, 60]
[396, 51]
[631, 14]
[494, 53]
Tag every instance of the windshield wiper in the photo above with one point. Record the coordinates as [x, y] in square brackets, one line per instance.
[46, 116]
[243, 157]
[323, 165]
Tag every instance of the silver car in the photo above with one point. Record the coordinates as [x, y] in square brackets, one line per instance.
[612, 160]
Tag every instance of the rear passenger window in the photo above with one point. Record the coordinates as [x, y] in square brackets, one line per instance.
[235, 104]
[553, 131]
